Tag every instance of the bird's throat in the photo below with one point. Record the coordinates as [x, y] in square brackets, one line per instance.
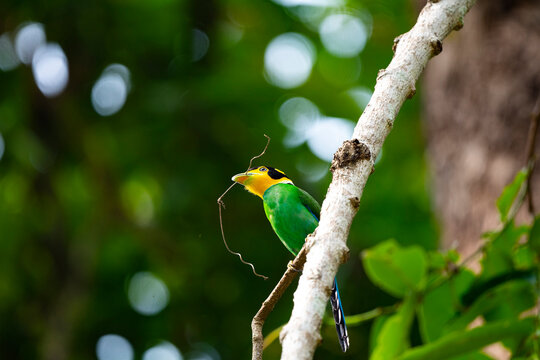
[258, 186]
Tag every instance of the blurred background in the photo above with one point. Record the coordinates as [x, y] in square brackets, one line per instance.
[121, 123]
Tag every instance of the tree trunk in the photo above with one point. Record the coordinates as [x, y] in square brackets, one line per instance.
[479, 96]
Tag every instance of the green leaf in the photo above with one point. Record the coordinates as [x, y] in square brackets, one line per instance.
[505, 201]
[395, 269]
[523, 297]
[441, 305]
[436, 260]
[460, 343]
[494, 305]
[498, 252]
[523, 258]
[452, 256]
[376, 328]
[393, 337]
[529, 349]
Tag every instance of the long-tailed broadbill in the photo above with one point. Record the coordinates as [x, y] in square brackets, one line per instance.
[293, 214]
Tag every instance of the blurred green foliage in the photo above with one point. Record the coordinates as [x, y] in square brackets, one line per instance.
[447, 297]
[88, 201]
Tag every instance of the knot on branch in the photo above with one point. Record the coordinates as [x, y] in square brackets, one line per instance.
[436, 47]
[350, 153]
[355, 202]
[412, 92]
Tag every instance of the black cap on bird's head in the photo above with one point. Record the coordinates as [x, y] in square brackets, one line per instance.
[257, 179]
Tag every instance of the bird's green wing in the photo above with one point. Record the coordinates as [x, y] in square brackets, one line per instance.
[310, 203]
[293, 214]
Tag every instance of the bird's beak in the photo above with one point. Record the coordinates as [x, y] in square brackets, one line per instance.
[241, 178]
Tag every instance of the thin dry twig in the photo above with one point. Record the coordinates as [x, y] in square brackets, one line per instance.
[261, 154]
[268, 305]
[531, 156]
[221, 204]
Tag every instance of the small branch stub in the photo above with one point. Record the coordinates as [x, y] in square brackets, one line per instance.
[345, 256]
[396, 42]
[459, 25]
[349, 153]
[436, 47]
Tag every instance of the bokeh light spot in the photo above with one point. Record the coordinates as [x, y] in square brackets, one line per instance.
[29, 37]
[200, 44]
[312, 172]
[360, 95]
[310, 15]
[50, 68]
[121, 70]
[114, 347]
[305, 123]
[231, 34]
[8, 56]
[203, 351]
[288, 60]
[110, 90]
[298, 114]
[162, 351]
[327, 135]
[343, 35]
[147, 294]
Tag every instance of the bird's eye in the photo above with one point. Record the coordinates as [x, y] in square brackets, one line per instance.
[262, 168]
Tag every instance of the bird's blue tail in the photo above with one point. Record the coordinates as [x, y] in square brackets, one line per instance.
[339, 318]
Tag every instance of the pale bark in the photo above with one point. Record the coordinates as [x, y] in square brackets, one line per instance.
[353, 164]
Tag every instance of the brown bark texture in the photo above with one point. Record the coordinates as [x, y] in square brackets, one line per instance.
[478, 98]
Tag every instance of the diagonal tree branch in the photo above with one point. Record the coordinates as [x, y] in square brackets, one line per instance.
[268, 305]
[352, 165]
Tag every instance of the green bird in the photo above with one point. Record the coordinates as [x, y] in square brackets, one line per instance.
[293, 214]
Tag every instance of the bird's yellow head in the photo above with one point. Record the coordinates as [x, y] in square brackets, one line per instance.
[256, 180]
